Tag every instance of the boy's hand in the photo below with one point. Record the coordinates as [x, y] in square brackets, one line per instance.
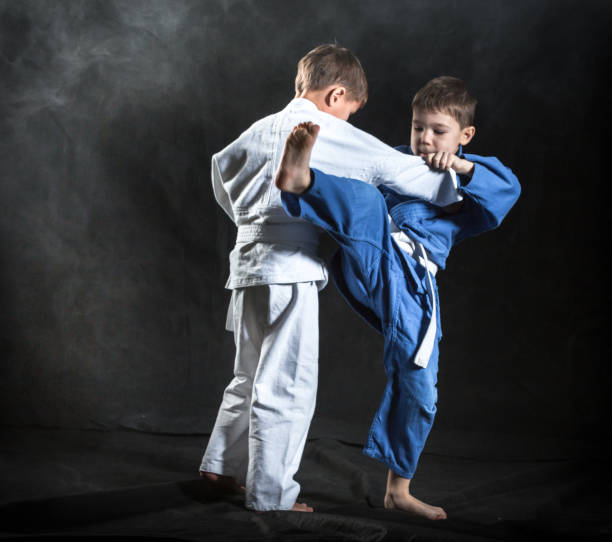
[446, 160]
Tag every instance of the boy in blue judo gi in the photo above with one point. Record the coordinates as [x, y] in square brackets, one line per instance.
[390, 248]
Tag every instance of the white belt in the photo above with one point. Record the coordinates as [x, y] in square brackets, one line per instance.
[294, 233]
[418, 252]
[426, 347]
[408, 245]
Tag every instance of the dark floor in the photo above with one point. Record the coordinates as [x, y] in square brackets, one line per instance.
[96, 484]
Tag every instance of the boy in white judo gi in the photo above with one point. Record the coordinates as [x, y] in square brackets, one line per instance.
[275, 274]
[390, 248]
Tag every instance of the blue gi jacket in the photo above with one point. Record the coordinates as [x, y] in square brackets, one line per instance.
[488, 196]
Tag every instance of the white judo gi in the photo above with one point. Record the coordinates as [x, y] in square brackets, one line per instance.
[263, 420]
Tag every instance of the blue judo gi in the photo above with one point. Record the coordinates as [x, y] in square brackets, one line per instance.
[388, 287]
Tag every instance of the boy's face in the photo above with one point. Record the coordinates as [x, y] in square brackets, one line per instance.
[434, 131]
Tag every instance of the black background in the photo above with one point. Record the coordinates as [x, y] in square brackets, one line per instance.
[113, 252]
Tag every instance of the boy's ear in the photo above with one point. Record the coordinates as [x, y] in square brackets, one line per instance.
[334, 94]
[467, 134]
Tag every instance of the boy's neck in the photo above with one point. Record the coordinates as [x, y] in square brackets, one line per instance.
[317, 97]
[333, 100]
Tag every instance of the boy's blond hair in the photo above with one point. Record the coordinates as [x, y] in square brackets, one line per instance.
[448, 95]
[330, 64]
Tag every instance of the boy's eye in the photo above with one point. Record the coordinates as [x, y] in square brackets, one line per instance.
[439, 132]
[417, 128]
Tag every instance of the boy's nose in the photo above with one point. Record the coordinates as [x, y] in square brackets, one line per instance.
[426, 136]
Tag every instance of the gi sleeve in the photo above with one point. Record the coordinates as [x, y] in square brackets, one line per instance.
[343, 150]
[411, 176]
[493, 189]
[220, 194]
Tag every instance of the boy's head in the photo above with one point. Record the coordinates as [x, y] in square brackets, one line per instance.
[332, 77]
[442, 116]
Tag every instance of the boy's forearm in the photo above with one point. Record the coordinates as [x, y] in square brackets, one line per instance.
[464, 167]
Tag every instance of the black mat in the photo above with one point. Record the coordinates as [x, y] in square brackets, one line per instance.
[83, 485]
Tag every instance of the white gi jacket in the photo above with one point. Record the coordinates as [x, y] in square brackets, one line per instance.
[273, 248]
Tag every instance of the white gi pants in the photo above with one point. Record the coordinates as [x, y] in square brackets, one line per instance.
[263, 421]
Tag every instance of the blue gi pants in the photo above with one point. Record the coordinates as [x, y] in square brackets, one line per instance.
[388, 288]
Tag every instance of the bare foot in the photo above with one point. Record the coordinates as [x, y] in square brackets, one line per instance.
[293, 174]
[408, 503]
[223, 485]
[398, 497]
[297, 507]
[301, 507]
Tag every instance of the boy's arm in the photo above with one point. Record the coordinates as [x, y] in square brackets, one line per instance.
[444, 161]
[343, 150]
[220, 194]
[237, 166]
[493, 187]
[414, 177]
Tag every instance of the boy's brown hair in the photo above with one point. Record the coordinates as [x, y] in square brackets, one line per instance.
[330, 64]
[448, 95]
